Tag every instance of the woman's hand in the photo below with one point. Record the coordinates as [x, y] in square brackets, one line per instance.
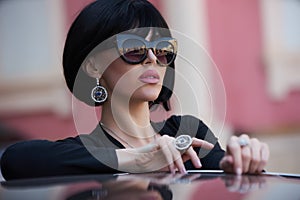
[160, 156]
[245, 155]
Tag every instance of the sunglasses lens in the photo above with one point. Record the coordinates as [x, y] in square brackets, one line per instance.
[165, 52]
[134, 50]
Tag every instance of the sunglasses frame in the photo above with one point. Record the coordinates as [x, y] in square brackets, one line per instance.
[121, 38]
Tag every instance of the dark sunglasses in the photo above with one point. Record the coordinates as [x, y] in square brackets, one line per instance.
[134, 49]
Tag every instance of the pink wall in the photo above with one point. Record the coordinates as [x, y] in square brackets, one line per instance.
[236, 47]
[73, 8]
[41, 125]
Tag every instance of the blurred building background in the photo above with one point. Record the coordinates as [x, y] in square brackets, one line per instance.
[254, 44]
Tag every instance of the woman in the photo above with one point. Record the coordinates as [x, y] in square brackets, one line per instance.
[113, 59]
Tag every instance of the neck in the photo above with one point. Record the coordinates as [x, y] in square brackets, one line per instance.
[130, 122]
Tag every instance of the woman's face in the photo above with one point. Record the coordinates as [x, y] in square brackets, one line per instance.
[134, 82]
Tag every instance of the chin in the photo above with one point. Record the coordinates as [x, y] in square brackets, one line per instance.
[147, 94]
[148, 97]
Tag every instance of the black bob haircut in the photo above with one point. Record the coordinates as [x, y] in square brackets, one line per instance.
[99, 21]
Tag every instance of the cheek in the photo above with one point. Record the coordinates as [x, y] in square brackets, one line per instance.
[120, 75]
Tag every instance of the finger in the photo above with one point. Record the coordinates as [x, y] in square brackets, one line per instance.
[170, 163]
[246, 158]
[177, 158]
[234, 149]
[167, 154]
[255, 155]
[202, 143]
[246, 154]
[265, 153]
[193, 157]
[226, 164]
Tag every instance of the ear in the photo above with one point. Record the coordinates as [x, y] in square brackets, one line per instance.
[91, 68]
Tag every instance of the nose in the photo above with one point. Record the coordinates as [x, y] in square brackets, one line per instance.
[151, 58]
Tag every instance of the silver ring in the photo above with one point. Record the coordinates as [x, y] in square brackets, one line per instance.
[183, 142]
[243, 142]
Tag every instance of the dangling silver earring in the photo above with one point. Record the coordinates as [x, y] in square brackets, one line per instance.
[99, 93]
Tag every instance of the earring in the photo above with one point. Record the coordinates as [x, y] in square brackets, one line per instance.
[99, 93]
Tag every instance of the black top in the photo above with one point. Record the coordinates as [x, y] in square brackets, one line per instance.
[95, 152]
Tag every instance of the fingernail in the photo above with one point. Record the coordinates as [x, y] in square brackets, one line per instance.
[199, 163]
[238, 171]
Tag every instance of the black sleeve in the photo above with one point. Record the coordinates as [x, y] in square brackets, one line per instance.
[178, 125]
[42, 158]
[210, 159]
